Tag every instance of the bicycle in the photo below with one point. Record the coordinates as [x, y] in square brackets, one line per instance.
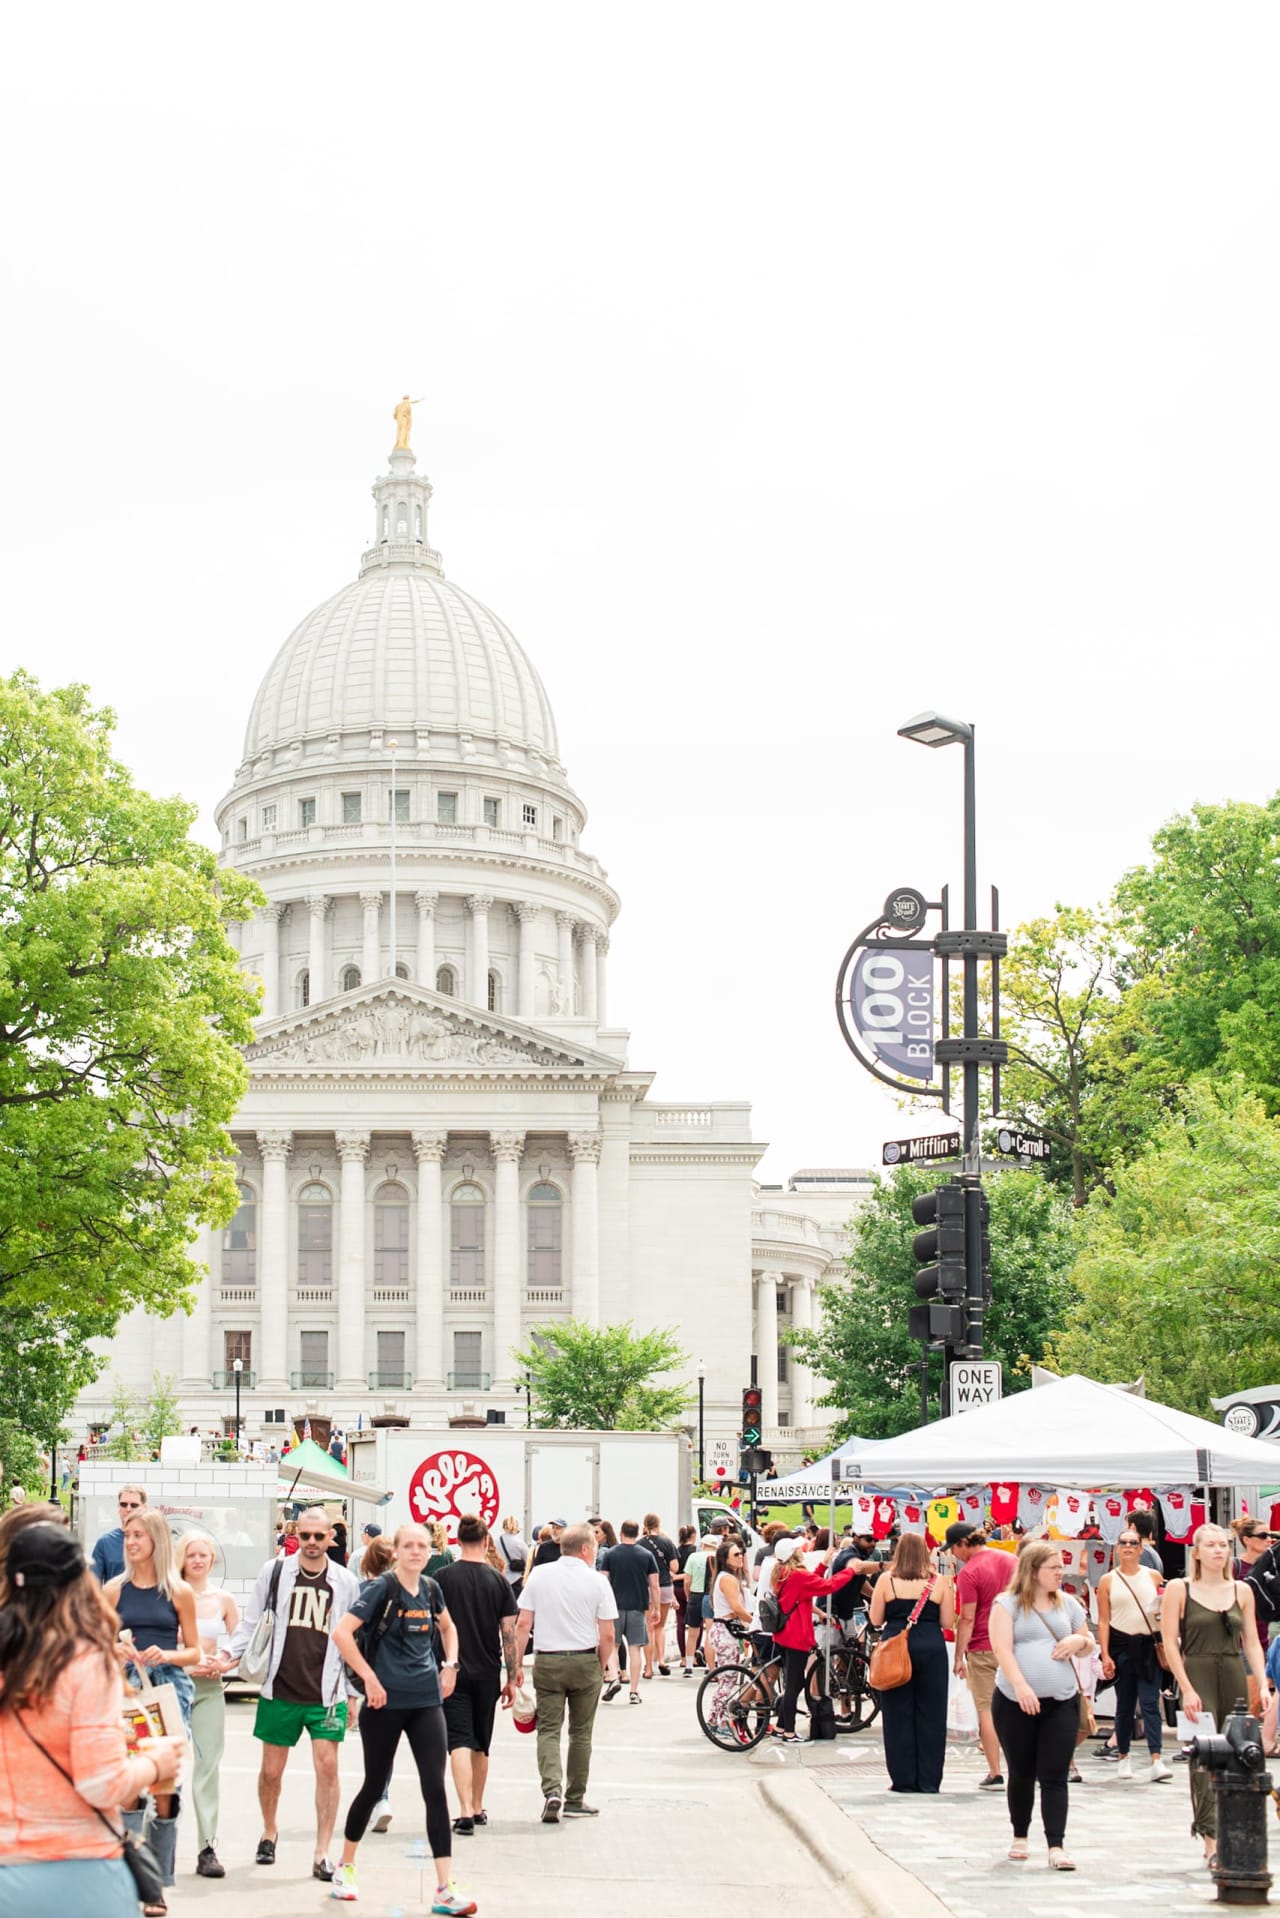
[850, 1685]
[736, 1703]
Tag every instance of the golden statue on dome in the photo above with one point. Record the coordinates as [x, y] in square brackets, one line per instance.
[403, 417]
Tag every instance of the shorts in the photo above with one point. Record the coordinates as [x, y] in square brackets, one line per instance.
[469, 1713]
[633, 1627]
[281, 1722]
[666, 1594]
[707, 1613]
[981, 1668]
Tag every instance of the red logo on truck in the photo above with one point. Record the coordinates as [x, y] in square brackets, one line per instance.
[451, 1484]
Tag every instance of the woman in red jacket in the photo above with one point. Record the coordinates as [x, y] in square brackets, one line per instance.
[795, 1590]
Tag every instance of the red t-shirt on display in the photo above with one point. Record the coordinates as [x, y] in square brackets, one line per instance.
[982, 1579]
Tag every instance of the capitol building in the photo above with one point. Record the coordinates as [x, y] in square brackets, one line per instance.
[443, 1142]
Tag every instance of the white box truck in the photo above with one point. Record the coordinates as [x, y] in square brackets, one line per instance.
[494, 1471]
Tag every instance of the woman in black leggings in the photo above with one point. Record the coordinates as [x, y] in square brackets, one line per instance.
[404, 1692]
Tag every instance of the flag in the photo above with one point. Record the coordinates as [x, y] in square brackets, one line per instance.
[306, 1431]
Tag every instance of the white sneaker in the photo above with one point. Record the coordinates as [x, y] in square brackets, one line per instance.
[344, 1883]
[1125, 1767]
[1159, 1772]
[381, 1820]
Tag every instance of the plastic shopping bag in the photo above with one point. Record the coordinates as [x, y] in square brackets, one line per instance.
[962, 1713]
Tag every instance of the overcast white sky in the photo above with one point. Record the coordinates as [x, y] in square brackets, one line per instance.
[788, 370]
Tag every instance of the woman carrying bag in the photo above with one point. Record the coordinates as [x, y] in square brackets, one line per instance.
[1129, 1640]
[795, 1589]
[910, 1599]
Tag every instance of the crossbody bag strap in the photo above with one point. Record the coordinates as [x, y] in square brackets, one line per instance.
[920, 1604]
[1057, 1638]
[1137, 1601]
[119, 1836]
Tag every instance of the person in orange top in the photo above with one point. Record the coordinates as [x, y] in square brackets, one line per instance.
[795, 1590]
[61, 1705]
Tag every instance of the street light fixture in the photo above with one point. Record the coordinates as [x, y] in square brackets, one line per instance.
[934, 729]
[237, 1367]
[702, 1388]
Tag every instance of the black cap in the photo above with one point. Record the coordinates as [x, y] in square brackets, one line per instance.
[958, 1533]
[44, 1554]
[373, 1531]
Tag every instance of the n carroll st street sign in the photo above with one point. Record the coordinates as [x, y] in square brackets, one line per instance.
[934, 1145]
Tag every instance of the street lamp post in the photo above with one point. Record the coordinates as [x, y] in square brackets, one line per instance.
[237, 1367]
[702, 1421]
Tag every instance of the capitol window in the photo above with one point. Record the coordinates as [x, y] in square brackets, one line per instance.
[304, 989]
[391, 1236]
[446, 981]
[268, 819]
[557, 827]
[545, 1216]
[240, 1242]
[350, 978]
[306, 812]
[446, 809]
[530, 816]
[242, 831]
[492, 811]
[315, 1236]
[466, 1238]
[398, 805]
[237, 1345]
[351, 809]
[495, 993]
[402, 520]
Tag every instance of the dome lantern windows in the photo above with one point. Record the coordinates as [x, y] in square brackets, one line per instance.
[402, 519]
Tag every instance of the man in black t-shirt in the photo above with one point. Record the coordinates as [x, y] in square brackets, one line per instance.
[632, 1570]
[483, 1608]
[664, 1553]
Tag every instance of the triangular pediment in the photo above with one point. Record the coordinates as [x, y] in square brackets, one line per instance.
[403, 1027]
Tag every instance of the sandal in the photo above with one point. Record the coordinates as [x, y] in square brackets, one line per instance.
[1059, 1861]
[1018, 1850]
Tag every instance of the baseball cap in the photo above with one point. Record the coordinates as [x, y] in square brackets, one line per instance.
[721, 1524]
[373, 1531]
[785, 1549]
[44, 1554]
[959, 1533]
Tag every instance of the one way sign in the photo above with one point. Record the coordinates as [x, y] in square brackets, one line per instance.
[974, 1383]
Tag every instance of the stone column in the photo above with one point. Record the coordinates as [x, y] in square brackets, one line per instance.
[801, 1382]
[318, 950]
[197, 1327]
[507, 1289]
[371, 955]
[353, 1150]
[602, 1004]
[272, 1358]
[588, 971]
[584, 1149]
[767, 1345]
[565, 923]
[527, 914]
[426, 902]
[429, 1276]
[478, 904]
[271, 916]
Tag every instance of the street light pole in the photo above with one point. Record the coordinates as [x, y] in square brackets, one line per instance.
[237, 1367]
[702, 1387]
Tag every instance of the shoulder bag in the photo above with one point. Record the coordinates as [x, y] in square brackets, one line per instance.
[891, 1660]
[1088, 1718]
[143, 1865]
[1156, 1638]
[255, 1659]
[370, 1635]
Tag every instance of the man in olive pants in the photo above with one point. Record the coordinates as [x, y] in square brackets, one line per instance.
[575, 1610]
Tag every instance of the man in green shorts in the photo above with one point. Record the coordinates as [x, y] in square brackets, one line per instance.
[306, 1686]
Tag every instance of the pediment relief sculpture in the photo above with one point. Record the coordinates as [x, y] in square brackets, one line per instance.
[397, 1031]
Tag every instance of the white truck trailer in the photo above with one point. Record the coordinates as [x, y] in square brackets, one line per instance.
[495, 1471]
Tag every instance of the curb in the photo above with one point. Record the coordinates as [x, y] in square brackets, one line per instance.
[877, 1887]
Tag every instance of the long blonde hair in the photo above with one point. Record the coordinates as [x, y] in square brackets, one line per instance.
[156, 1527]
[1030, 1562]
[1197, 1571]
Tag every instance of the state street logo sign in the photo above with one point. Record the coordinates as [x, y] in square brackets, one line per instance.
[452, 1485]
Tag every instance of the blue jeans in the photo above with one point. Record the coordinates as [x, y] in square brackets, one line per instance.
[53, 1889]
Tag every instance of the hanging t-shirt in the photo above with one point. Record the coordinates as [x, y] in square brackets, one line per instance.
[973, 1505]
[910, 1516]
[1031, 1505]
[1112, 1512]
[940, 1513]
[864, 1512]
[1175, 1505]
[1140, 1501]
[1004, 1503]
[1099, 1558]
[1199, 1515]
[886, 1516]
[1073, 1512]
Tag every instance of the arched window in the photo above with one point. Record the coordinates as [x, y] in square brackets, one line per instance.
[546, 1210]
[417, 522]
[386, 522]
[304, 989]
[466, 1238]
[402, 971]
[446, 981]
[402, 519]
[391, 1236]
[315, 1236]
[495, 993]
[240, 1242]
[350, 978]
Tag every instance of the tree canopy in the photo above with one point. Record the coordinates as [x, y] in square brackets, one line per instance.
[122, 1011]
[601, 1378]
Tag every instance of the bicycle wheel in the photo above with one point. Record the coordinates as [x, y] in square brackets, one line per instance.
[734, 1710]
[855, 1702]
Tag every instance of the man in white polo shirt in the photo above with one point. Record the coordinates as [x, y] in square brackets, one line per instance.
[575, 1610]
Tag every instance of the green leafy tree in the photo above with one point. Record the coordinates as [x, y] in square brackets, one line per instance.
[21, 1460]
[161, 1414]
[45, 1361]
[1178, 1273]
[122, 1445]
[602, 1378]
[862, 1347]
[122, 1011]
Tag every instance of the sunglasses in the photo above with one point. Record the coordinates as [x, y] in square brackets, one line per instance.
[311, 1535]
[130, 1504]
[1129, 1541]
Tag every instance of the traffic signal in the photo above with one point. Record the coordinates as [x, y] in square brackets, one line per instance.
[756, 1459]
[940, 1248]
[976, 1196]
[752, 1422]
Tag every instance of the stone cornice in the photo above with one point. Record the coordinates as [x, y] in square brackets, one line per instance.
[689, 1154]
[319, 863]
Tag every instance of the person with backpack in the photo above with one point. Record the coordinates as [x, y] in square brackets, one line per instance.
[386, 1639]
[793, 1590]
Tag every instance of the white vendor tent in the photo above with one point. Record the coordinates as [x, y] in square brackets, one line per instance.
[1074, 1432]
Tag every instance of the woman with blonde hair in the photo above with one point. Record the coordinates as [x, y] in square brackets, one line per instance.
[1208, 1623]
[915, 1714]
[515, 1552]
[438, 1532]
[217, 1616]
[1036, 1631]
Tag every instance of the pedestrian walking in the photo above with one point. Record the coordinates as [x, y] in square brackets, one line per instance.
[157, 1609]
[1255, 1541]
[378, 1557]
[909, 1594]
[575, 1609]
[405, 1692]
[515, 1550]
[632, 1571]
[306, 1687]
[65, 1770]
[1208, 1624]
[1036, 1631]
[795, 1588]
[440, 1555]
[483, 1609]
[1128, 1634]
[217, 1616]
[664, 1552]
[367, 1536]
[697, 1577]
[108, 1552]
[687, 1538]
[982, 1576]
[548, 1546]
